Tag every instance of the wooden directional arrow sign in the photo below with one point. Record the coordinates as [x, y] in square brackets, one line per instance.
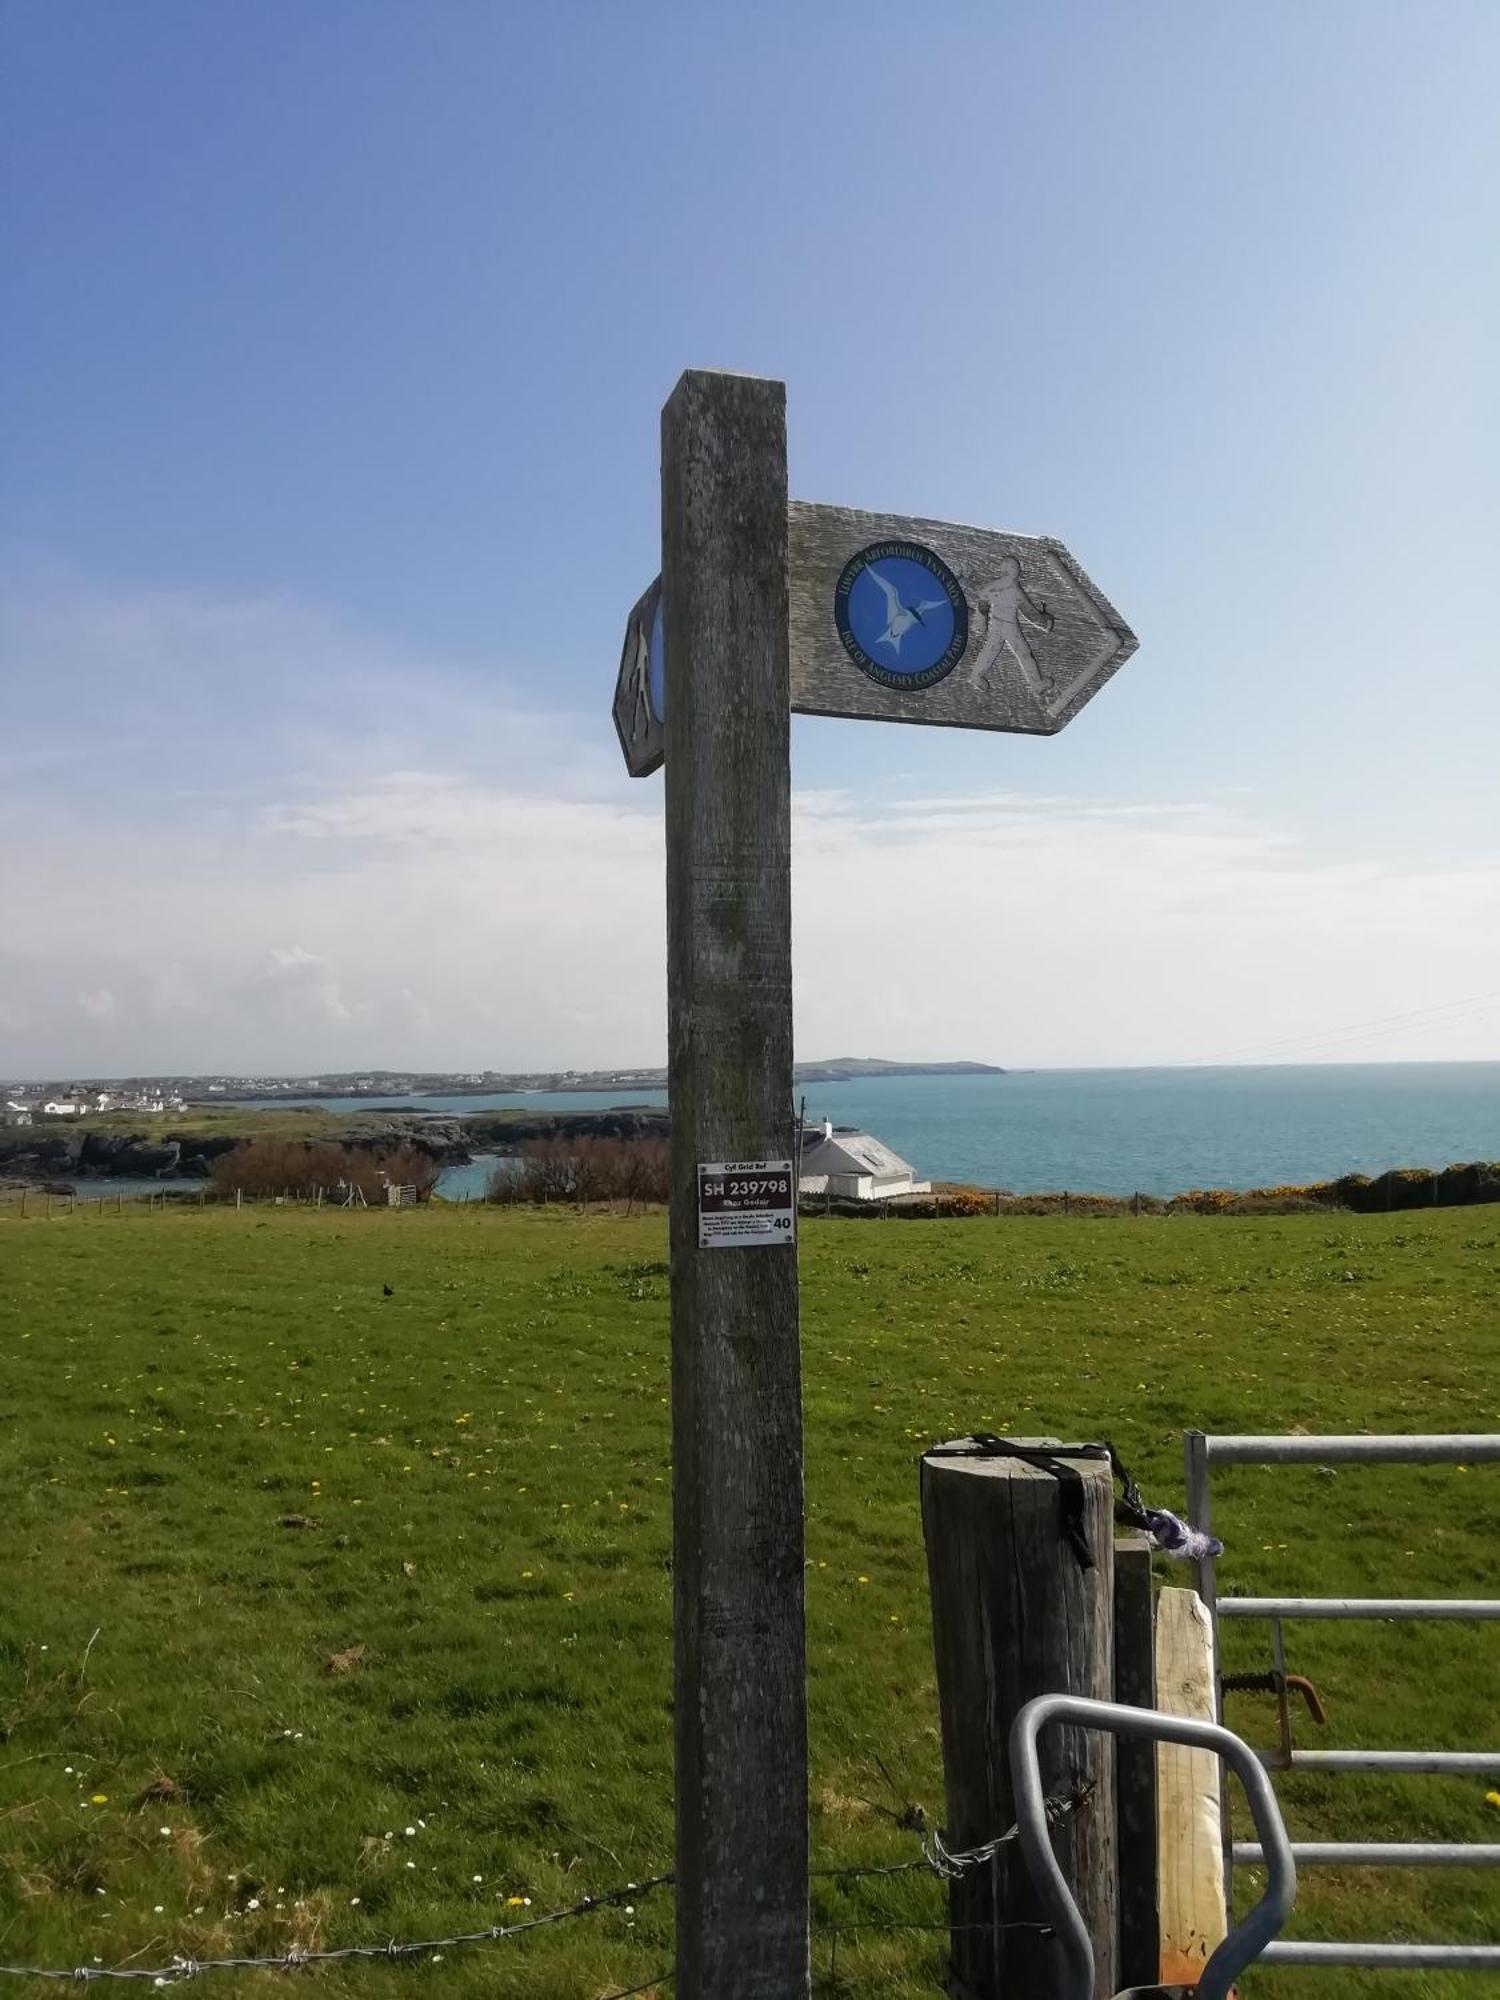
[901, 620]
[924, 621]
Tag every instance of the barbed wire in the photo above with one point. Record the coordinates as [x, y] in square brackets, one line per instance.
[936, 1858]
[183, 1966]
[950, 1863]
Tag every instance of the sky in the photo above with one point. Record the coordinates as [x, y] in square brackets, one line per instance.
[334, 347]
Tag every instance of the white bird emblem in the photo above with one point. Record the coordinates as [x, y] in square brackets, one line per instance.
[900, 617]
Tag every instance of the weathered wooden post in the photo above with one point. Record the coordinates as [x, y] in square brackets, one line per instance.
[742, 1884]
[1190, 1840]
[1021, 1564]
[1135, 1762]
[764, 607]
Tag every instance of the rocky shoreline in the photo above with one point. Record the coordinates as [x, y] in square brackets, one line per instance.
[35, 1156]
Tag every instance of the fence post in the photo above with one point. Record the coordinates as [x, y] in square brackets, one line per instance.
[1135, 1763]
[1190, 1841]
[1015, 1614]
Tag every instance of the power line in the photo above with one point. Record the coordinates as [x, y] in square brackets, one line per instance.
[1447, 1013]
[1408, 1019]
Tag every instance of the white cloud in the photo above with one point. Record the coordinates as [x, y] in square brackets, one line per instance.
[292, 864]
[1072, 931]
[198, 703]
[422, 918]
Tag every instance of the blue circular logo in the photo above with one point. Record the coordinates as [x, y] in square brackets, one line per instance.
[657, 663]
[901, 615]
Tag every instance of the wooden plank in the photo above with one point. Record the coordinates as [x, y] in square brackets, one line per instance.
[638, 703]
[1014, 1615]
[740, 1703]
[1023, 638]
[1135, 1762]
[1189, 1840]
[1040, 637]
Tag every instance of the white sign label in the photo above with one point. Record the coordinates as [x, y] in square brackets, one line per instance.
[744, 1203]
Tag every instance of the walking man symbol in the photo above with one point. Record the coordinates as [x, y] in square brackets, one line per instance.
[1006, 601]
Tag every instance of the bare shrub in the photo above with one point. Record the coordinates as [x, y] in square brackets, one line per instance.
[302, 1166]
[583, 1170]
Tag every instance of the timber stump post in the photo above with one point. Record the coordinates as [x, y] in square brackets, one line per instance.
[740, 1650]
[1015, 1614]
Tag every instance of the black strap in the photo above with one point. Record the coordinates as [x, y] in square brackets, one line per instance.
[1130, 1508]
[1069, 1479]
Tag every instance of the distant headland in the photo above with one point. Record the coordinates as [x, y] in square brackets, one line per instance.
[484, 1083]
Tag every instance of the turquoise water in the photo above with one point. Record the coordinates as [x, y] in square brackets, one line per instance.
[1158, 1131]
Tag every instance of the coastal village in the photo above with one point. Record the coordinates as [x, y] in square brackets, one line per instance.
[23, 1107]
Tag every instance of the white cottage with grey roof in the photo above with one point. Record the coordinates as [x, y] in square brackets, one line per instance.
[854, 1166]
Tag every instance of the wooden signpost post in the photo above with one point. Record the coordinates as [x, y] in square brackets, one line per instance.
[763, 607]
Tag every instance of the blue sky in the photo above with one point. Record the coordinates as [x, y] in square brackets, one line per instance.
[335, 341]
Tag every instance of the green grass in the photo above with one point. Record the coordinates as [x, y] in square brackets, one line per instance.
[484, 1457]
[198, 1121]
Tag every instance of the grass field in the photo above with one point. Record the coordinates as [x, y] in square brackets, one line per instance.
[479, 1464]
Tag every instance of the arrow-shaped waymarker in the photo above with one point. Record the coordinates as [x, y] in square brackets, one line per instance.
[894, 619]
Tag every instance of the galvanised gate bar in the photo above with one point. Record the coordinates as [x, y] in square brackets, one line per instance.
[1202, 1452]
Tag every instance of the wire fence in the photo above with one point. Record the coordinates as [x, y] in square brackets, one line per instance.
[934, 1858]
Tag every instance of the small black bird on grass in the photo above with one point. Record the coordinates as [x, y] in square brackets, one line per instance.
[389, 1290]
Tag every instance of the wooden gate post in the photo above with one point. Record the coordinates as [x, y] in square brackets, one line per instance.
[1135, 1762]
[1016, 1614]
[740, 1667]
[1190, 1844]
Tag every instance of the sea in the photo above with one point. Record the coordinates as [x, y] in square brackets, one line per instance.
[1116, 1131]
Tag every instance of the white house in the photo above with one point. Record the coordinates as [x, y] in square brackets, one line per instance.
[63, 1107]
[854, 1166]
[17, 1114]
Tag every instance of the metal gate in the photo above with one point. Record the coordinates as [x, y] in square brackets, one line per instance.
[1202, 1454]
